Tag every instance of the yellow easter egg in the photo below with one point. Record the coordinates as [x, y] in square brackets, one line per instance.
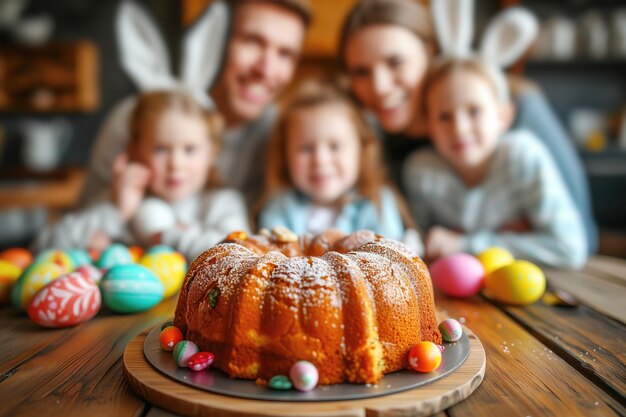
[495, 257]
[34, 278]
[169, 267]
[9, 273]
[519, 283]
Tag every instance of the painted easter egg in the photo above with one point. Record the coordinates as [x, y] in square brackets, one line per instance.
[169, 337]
[17, 256]
[136, 252]
[280, 382]
[495, 257]
[56, 256]
[170, 268]
[451, 330]
[183, 351]
[131, 288]
[154, 215]
[115, 254]
[67, 301]
[424, 357]
[519, 283]
[200, 361]
[459, 275]
[156, 249]
[90, 271]
[303, 375]
[34, 278]
[79, 257]
[9, 273]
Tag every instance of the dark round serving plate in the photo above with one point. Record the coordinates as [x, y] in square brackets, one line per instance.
[218, 382]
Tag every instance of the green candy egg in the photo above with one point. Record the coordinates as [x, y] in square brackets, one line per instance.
[280, 382]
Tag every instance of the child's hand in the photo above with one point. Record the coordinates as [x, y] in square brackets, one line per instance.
[442, 242]
[130, 180]
[99, 241]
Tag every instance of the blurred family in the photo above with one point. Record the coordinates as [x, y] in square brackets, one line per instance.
[479, 165]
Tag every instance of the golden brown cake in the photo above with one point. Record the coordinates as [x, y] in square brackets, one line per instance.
[353, 305]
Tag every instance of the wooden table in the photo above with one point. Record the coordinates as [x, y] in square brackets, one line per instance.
[541, 360]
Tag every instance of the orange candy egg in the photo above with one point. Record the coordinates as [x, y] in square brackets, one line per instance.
[169, 337]
[425, 357]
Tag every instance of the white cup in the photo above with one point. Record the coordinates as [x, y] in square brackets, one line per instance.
[44, 143]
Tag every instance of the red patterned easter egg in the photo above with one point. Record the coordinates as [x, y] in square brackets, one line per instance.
[67, 301]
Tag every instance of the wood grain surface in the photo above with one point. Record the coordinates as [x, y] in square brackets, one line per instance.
[426, 400]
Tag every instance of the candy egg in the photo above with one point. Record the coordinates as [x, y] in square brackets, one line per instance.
[459, 275]
[34, 278]
[183, 351]
[451, 330]
[495, 257]
[169, 337]
[9, 273]
[200, 361]
[304, 375]
[131, 288]
[519, 283]
[79, 257]
[17, 256]
[170, 268]
[115, 254]
[424, 357]
[66, 301]
[167, 324]
[280, 382]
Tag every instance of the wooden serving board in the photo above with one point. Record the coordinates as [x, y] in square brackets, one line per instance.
[179, 398]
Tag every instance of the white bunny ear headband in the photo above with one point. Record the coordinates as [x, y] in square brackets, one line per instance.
[145, 59]
[506, 38]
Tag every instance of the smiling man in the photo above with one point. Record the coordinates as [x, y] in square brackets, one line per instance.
[260, 59]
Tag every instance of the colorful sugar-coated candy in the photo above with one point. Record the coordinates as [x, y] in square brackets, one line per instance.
[424, 357]
[55, 256]
[280, 382]
[136, 252]
[183, 351]
[79, 257]
[19, 257]
[451, 330]
[519, 283]
[167, 324]
[9, 273]
[115, 254]
[201, 361]
[495, 257]
[131, 288]
[303, 375]
[459, 275]
[66, 301]
[34, 278]
[90, 271]
[159, 249]
[169, 337]
[169, 267]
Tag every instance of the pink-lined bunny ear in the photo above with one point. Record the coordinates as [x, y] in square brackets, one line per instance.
[144, 56]
[203, 50]
[454, 25]
[508, 36]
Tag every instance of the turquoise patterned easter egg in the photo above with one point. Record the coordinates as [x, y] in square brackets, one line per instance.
[115, 254]
[131, 288]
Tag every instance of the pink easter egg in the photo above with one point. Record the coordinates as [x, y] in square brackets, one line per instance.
[66, 301]
[459, 275]
[201, 361]
[303, 375]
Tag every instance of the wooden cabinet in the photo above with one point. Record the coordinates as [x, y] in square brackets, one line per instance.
[55, 77]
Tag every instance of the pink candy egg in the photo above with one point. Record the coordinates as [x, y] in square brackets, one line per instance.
[459, 275]
[304, 375]
[451, 330]
[183, 351]
[201, 361]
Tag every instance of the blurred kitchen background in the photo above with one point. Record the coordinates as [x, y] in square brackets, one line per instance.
[60, 75]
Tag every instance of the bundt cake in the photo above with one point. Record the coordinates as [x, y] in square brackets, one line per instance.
[351, 304]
